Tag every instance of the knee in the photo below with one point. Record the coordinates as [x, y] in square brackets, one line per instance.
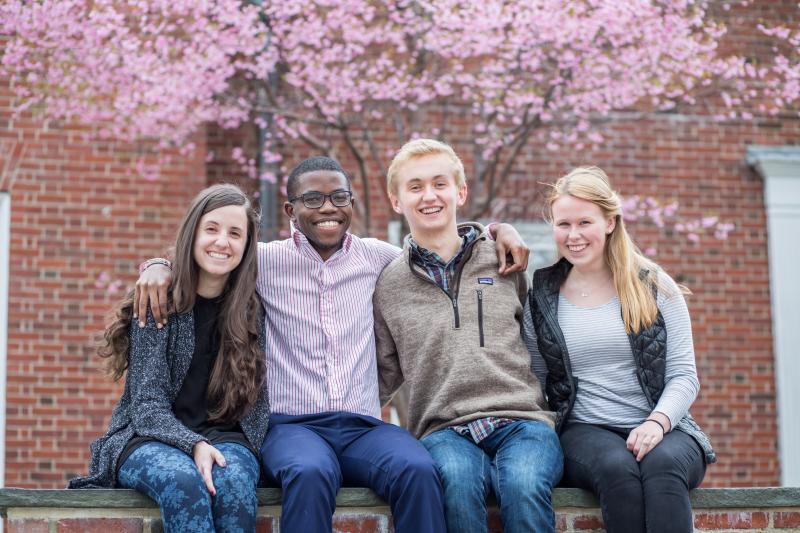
[235, 477]
[662, 464]
[616, 467]
[454, 472]
[188, 485]
[521, 489]
[417, 467]
[316, 476]
[536, 458]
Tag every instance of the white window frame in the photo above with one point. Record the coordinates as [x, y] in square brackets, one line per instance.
[780, 168]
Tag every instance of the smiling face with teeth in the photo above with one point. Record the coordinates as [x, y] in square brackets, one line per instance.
[427, 194]
[219, 244]
[326, 226]
[580, 231]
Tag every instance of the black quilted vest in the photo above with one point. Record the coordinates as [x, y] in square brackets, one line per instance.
[649, 348]
[649, 345]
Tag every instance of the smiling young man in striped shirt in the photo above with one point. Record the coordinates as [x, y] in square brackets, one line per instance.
[450, 329]
[325, 427]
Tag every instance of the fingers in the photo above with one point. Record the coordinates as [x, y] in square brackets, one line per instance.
[155, 303]
[205, 471]
[140, 301]
[640, 442]
[136, 300]
[205, 456]
[218, 458]
[512, 259]
[520, 255]
[648, 443]
[517, 260]
[151, 288]
[501, 259]
[162, 302]
[152, 294]
[631, 440]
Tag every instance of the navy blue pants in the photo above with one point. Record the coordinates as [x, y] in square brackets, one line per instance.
[170, 477]
[311, 456]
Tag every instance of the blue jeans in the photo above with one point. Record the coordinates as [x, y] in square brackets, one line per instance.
[520, 462]
[311, 456]
[170, 477]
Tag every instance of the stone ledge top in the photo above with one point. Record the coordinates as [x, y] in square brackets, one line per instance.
[766, 497]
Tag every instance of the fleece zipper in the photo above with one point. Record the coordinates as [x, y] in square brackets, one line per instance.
[480, 316]
[453, 294]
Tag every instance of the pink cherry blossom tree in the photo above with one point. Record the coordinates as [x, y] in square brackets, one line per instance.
[351, 77]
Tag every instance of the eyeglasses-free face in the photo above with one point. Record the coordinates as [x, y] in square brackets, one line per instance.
[315, 200]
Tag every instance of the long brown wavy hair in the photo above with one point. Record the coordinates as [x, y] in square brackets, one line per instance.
[240, 367]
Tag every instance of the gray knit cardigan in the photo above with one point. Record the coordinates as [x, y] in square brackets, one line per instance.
[159, 361]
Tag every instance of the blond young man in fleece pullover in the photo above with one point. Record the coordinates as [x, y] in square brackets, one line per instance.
[449, 327]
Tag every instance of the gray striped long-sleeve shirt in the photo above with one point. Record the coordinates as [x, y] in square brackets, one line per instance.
[600, 353]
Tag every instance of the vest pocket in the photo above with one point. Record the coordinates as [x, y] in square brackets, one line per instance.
[480, 315]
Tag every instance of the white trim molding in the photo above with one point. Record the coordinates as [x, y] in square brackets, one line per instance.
[779, 166]
[5, 252]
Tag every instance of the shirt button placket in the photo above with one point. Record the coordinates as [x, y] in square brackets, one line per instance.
[327, 329]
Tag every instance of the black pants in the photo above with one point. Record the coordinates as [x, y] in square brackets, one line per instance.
[652, 495]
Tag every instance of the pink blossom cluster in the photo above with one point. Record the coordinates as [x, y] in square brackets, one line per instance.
[663, 215]
[784, 83]
[160, 68]
[343, 73]
[104, 281]
[145, 69]
[552, 65]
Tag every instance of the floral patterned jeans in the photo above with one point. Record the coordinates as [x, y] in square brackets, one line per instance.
[170, 477]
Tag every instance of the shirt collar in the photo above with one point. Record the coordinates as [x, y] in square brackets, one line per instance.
[301, 243]
[467, 233]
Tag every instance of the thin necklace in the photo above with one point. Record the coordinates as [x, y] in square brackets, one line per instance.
[585, 293]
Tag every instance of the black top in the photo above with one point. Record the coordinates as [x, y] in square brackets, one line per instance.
[190, 406]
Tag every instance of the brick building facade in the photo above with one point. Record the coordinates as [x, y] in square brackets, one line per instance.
[80, 221]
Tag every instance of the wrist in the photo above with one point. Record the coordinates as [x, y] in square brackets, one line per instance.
[154, 261]
[665, 420]
[663, 429]
[491, 230]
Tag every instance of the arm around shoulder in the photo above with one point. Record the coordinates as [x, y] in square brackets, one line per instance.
[384, 253]
[538, 366]
[390, 374]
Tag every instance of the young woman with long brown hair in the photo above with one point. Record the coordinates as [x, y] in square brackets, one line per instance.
[612, 340]
[194, 410]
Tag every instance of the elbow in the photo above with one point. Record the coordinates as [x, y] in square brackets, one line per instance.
[695, 385]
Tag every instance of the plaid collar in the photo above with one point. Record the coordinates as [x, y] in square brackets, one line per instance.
[425, 258]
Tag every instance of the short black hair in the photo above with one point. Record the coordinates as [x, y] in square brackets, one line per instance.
[312, 164]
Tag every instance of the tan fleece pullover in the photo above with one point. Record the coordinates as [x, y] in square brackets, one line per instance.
[463, 357]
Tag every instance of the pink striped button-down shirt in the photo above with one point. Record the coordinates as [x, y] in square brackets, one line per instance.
[319, 324]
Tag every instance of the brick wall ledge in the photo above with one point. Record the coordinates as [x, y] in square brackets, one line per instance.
[360, 510]
[759, 497]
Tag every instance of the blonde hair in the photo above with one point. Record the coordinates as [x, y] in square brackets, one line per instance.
[634, 274]
[419, 148]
